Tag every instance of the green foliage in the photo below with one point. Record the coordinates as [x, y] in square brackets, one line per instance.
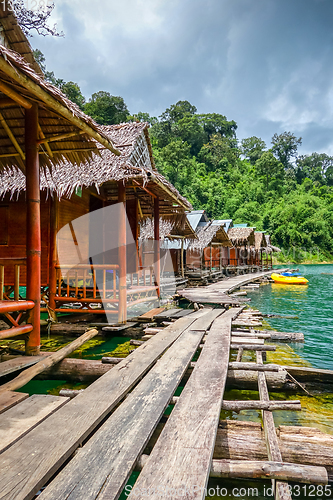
[106, 109]
[73, 92]
[294, 203]
[285, 147]
[252, 148]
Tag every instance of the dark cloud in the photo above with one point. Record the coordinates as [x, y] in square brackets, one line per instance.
[265, 64]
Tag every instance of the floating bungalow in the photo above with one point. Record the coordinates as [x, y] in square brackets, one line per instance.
[56, 166]
[242, 238]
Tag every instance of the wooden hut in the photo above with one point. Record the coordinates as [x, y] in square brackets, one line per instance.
[175, 235]
[207, 252]
[242, 238]
[48, 146]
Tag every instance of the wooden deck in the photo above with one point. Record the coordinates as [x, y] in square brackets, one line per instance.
[87, 447]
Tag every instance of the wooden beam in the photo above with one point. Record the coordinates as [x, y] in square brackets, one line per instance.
[28, 374]
[234, 365]
[33, 229]
[59, 137]
[19, 99]
[145, 189]
[255, 469]
[7, 102]
[238, 406]
[17, 76]
[12, 137]
[157, 252]
[42, 136]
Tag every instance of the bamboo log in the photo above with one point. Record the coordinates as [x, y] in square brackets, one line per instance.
[253, 347]
[237, 406]
[234, 365]
[111, 361]
[28, 374]
[261, 470]
[22, 101]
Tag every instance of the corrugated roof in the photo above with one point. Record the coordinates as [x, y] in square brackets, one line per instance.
[196, 217]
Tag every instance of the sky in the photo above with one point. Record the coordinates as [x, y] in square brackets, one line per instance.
[267, 64]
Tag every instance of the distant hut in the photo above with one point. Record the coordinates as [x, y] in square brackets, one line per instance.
[242, 238]
[206, 253]
[175, 235]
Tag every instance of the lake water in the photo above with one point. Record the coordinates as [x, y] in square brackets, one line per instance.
[312, 304]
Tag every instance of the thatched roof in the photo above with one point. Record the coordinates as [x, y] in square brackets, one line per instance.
[20, 88]
[212, 233]
[171, 228]
[241, 236]
[135, 163]
[260, 240]
[12, 37]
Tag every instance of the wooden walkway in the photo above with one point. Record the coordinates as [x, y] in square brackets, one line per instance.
[87, 447]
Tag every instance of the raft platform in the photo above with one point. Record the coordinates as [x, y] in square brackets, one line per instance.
[88, 446]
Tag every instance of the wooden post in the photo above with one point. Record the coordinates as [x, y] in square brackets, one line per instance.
[53, 250]
[32, 345]
[157, 257]
[122, 308]
[182, 257]
[211, 258]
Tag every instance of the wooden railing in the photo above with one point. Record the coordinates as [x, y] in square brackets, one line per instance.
[8, 286]
[8, 306]
[86, 283]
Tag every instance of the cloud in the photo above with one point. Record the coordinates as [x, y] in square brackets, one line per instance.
[265, 64]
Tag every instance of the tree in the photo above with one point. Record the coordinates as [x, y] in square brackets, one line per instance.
[177, 111]
[219, 152]
[317, 167]
[269, 167]
[252, 148]
[73, 92]
[34, 19]
[285, 147]
[106, 109]
[214, 123]
[143, 117]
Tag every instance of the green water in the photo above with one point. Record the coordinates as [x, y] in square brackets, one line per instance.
[313, 304]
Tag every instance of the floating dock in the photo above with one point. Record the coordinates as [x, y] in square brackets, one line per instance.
[87, 447]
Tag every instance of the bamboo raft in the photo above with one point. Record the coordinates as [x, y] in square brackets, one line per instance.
[85, 444]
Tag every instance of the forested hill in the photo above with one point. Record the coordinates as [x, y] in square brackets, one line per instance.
[270, 186]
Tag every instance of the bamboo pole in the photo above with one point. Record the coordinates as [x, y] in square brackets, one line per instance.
[6, 89]
[32, 345]
[42, 136]
[17, 76]
[122, 256]
[182, 257]
[157, 256]
[59, 137]
[12, 137]
[28, 374]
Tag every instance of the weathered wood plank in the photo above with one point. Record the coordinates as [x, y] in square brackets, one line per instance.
[115, 447]
[10, 398]
[166, 314]
[183, 453]
[28, 464]
[18, 363]
[149, 315]
[281, 490]
[261, 405]
[234, 365]
[253, 347]
[22, 418]
[250, 469]
[247, 340]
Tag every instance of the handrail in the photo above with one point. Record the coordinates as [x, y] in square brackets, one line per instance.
[87, 266]
[16, 261]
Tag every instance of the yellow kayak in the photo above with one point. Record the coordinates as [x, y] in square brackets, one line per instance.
[289, 280]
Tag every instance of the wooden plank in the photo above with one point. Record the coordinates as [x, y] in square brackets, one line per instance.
[281, 490]
[18, 363]
[10, 398]
[115, 447]
[22, 418]
[252, 366]
[166, 314]
[149, 315]
[247, 340]
[253, 347]
[238, 406]
[21, 477]
[182, 455]
[181, 313]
